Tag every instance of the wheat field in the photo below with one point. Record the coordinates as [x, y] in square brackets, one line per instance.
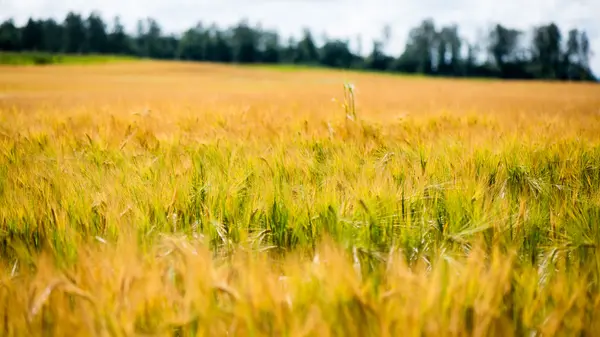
[174, 199]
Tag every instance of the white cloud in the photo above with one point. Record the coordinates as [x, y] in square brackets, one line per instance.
[336, 18]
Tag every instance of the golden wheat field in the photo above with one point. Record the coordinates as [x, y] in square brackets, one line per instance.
[174, 199]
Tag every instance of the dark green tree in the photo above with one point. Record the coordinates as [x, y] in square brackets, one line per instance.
[503, 46]
[32, 35]
[584, 51]
[141, 47]
[449, 58]
[52, 33]
[585, 72]
[74, 34]
[97, 38]
[420, 51]
[221, 47]
[336, 54]
[118, 40]
[306, 50]
[570, 58]
[244, 40]
[152, 39]
[289, 51]
[546, 51]
[151, 43]
[377, 59]
[10, 36]
[193, 44]
[270, 47]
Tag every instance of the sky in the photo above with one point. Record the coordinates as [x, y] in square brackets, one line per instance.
[335, 18]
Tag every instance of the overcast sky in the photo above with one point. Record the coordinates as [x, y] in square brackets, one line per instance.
[336, 18]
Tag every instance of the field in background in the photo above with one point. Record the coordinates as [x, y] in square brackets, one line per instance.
[172, 199]
[41, 58]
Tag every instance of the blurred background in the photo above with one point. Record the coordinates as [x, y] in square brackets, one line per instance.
[510, 39]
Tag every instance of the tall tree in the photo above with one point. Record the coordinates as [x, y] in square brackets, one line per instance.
[152, 39]
[10, 36]
[150, 42]
[572, 52]
[32, 35]
[289, 51]
[270, 47]
[449, 44]
[575, 62]
[52, 33]
[141, 42]
[546, 51]
[245, 43]
[221, 46]
[336, 54]
[97, 38]
[118, 41]
[585, 72]
[74, 38]
[306, 52]
[584, 51]
[420, 50]
[503, 46]
[168, 47]
[192, 45]
[378, 60]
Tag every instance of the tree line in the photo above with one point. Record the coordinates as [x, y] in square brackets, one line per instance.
[544, 52]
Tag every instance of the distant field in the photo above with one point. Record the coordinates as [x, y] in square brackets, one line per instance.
[182, 199]
[38, 58]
